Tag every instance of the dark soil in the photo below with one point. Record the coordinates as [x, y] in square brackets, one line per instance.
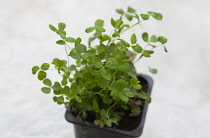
[127, 123]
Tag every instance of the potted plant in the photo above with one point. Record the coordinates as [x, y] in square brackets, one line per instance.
[102, 90]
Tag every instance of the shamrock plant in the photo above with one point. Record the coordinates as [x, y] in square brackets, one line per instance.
[103, 78]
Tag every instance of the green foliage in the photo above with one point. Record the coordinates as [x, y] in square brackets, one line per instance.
[103, 78]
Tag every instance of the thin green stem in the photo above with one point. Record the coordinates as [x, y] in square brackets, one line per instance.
[67, 55]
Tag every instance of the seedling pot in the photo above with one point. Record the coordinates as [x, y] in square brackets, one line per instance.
[88, 130]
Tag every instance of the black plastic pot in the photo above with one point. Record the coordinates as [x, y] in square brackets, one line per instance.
[106, 132]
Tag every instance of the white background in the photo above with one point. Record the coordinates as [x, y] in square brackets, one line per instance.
[180, 106]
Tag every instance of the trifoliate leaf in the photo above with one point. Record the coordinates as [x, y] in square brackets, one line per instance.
[145, 36]
[133, 38]
[137, 48]
[35, 69]
[46, 90]
[45, 66]
[118, 85]
[42, 75]
[47, 82]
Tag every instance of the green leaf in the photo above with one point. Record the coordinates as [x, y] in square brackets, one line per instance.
[78, 40]
[131, 10]
[162, 39]
[104, 114]
[137, 48]
[114, 120]
[108, 122]
[123, 97]
[113, 22]
[147, 53]
[145, 36]
[74, 54]
[61, 26]
[47, 82]
[118, 85]
[133, 38]
[119, 23]
[129, 17]
[45, 66]
[111, 63]
[128, 92]
[153, 71]
[35, 69]
[99, 29]
[145, 96]
[56, 86]
[60, 99]
[52, 28]
[144, 16]
[90, 29]
[106, 74]
[165, 49]
[78, 98]
[135, 83]
[124, 66]
[120, 11]
[70, 39]
[62, 35]
[72, 67]
[97, 62]
[95, 106]
[80, 48]
[97, 122]
[46, 90]
[99, 22]
[157, 16]
[66, 90]
[42, 75]
[153, 38]
[60, 42]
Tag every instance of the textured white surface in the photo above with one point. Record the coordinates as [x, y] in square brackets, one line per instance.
[180, 107]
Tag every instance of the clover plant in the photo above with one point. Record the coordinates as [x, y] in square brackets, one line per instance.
[103, 78]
